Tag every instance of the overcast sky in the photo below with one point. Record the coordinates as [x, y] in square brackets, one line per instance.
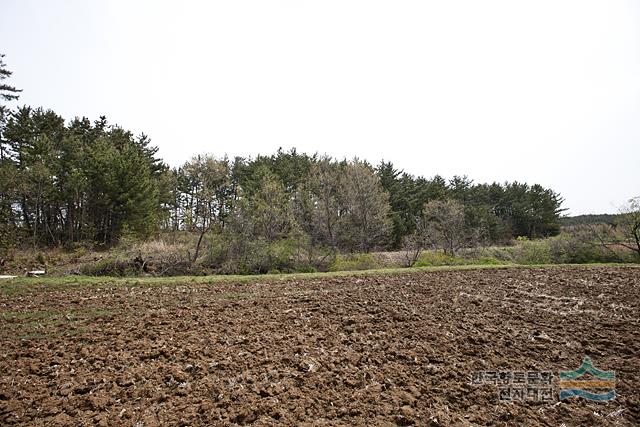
[543, 92]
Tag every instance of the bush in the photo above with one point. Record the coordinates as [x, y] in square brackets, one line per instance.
[570, 247]
[280, 255]
[167, 266]
[40, 259]
[217, 251]
[532, 252]
[566, 248]
[108, 267]
[259, 257]
[305, 269]
[574, 248]
[434, 259]
[354, 262]
[487, 260]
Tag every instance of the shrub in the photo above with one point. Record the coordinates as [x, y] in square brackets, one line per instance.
[258, 256]
[280, 255]
[434, 259]
[40, 258]
[217, 251]
[305, 269]
[532, 252]
[487, 260]
[354, 262]
[576, 248]
[108, 267]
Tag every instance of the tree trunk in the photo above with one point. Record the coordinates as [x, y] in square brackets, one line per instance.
[195, 255]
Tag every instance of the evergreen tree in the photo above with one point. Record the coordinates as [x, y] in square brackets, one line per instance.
[7, 92]
[393, 185]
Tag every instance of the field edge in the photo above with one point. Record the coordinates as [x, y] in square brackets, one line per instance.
[21, 285]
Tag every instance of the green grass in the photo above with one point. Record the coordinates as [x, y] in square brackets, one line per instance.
[25, 285]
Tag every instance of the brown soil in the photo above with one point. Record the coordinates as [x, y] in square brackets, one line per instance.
[373, 350]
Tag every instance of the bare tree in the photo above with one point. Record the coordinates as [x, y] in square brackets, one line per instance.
[628, 225]
[623, 233]
[364, 208]
[416, 242]
[317, 212]
[446, 227]
[603, 236]
[325, 186]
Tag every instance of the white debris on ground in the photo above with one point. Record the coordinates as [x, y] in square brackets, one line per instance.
[35, 273]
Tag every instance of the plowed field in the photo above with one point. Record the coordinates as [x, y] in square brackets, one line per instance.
[388, 349]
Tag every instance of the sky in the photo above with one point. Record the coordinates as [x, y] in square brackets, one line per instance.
[543, 92]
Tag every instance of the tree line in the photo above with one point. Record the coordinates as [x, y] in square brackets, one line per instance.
[92, 181]
[69, 182]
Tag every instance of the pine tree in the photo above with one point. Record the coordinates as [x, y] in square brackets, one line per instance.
[7, 92]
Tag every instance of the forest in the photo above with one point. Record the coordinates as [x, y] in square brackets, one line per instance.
[82, 181]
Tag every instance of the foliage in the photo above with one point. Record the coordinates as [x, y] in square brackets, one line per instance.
[628, 226]
[573, 248]
[7, 92]
[500, 210]
[576, 245]
[619, 241]
[435, 259]
[202, 196]
[533, 252]
[446, 227]
[78, 182]
[364, 222]
[432, 259]
[363, 261]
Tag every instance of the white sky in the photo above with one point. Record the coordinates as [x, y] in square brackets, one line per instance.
[539, 91]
